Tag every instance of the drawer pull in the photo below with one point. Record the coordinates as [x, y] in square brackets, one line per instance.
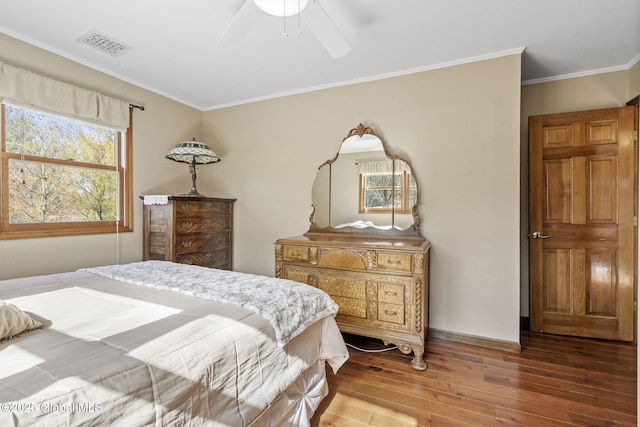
[186, 207]
[392, 262]
[390, 294]
[187, 225]
[187, 243]
[390, 313]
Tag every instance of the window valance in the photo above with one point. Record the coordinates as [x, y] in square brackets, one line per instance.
[31, 89]
[382, 167]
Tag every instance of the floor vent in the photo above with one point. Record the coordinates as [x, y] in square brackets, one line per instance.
[103, 43]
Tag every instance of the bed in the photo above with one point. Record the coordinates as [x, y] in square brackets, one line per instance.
[156, 343]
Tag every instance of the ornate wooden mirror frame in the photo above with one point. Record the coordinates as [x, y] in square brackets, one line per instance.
[338, 193]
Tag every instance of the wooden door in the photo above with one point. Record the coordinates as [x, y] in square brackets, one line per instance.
[582, 213]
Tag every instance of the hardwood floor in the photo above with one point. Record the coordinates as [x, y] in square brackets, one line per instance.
[553, 381]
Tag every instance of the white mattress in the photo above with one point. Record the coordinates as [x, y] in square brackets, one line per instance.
[115, 353]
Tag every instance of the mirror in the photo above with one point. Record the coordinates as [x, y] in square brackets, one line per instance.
[364, 190]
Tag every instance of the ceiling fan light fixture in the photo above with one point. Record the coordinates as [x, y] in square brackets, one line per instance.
[281, 7]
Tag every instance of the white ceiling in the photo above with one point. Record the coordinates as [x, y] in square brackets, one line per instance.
[175, 51]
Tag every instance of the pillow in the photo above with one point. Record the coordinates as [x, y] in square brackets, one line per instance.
[13, 321]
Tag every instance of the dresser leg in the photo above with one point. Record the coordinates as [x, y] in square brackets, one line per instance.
[418, 362]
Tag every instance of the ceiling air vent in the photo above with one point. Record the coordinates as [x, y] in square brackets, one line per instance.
[103, 43]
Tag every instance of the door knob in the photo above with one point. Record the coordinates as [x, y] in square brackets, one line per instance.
[538, 235]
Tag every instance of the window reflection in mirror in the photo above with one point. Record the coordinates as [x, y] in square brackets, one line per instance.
[379, 192]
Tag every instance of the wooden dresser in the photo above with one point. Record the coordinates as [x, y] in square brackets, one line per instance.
[190, 230]
[381, 284]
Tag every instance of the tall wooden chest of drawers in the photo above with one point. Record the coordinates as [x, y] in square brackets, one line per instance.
[381, 285]
[190, 230]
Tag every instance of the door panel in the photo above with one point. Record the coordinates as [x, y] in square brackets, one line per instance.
[582, 192]
[557, 283]
[602, 132]
[601, 279]
[558, 190]
[602, 185]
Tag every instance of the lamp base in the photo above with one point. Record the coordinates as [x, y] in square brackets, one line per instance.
[193, 193]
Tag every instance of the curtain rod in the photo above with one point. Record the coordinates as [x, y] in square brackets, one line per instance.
[140, 107]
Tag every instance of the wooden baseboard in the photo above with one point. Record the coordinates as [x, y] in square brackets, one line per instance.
[513, 347]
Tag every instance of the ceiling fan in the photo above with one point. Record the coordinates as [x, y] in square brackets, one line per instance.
[310, 11]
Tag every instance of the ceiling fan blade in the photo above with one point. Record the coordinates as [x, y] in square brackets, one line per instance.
[241, 24]
[325, 30]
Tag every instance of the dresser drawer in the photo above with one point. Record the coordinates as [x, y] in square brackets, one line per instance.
[187, 208]
[391, 313]
[394, 261]
[353, 288]
[353, 259]
[202, 224]
[351, 307]
[296, 275]
[216, 259]
[299, 254]
[201, 242]
[349, 292]
[391, 294]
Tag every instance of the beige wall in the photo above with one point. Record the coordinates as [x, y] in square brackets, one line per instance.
[459, 127]
[583, 93]
[156, 130]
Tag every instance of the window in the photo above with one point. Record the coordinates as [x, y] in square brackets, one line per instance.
[379, 192]
[62, 176]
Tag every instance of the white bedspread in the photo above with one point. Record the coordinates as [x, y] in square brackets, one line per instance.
[289, 306]
[117, 354]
